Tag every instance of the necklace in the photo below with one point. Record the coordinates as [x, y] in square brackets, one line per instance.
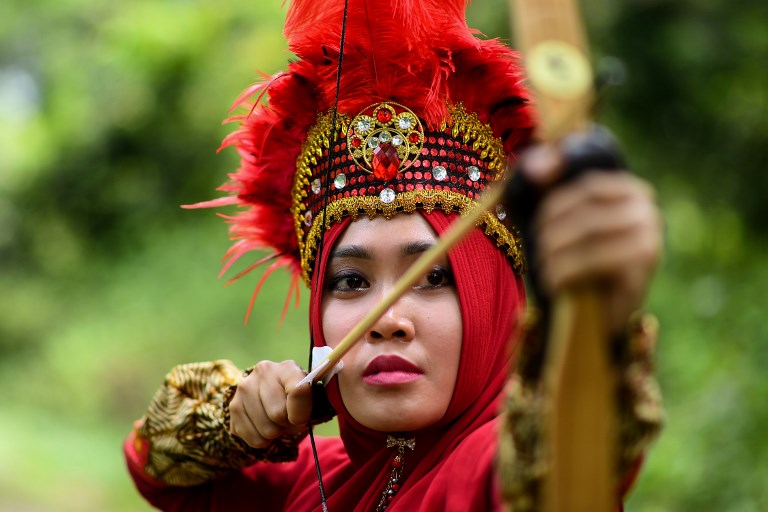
[393, 485]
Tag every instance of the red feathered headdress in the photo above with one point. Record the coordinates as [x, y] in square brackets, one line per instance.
[427, 117]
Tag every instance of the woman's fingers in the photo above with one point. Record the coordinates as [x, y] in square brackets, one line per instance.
[267, 404]
[594, 187]
[611, 257]
[299, 402]
[602, 228]
[594, 227]
[241, 424]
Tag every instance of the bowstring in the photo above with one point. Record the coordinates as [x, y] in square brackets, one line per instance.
[322, 219]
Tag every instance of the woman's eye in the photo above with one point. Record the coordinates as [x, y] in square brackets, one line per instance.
[438, 277]
[352, 282]
[348, 282]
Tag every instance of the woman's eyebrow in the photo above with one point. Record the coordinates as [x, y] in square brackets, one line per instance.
[351, 251]
[417, 247]
[362, 253]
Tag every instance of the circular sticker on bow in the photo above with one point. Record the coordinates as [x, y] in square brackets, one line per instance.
[559, 70]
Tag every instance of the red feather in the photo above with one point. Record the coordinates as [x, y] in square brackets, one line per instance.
[419, 53]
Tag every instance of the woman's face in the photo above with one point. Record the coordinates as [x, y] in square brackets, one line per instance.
[400, 376]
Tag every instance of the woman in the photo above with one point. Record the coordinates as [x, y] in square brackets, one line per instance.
[416, 136]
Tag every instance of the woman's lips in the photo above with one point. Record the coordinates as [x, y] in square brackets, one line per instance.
[390, 370]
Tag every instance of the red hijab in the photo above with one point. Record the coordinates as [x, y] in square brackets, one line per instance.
[490, 297]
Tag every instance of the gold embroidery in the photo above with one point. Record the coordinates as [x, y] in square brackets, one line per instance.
[408, 202]
[480, 135]
[187, 428]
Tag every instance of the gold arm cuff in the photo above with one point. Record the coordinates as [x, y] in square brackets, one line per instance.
[187, 423]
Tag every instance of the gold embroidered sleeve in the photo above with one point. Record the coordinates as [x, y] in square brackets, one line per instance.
[641, 411]
[187, 427]
[522, 464]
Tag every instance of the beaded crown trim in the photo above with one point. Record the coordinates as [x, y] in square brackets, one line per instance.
[382, 162]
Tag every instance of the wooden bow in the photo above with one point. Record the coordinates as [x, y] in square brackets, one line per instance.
[579, 430]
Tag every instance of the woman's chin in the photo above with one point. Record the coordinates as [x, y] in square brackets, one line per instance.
[396, 402]
[392, 420]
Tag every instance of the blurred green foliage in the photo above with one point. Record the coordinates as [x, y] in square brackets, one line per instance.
[110, 118]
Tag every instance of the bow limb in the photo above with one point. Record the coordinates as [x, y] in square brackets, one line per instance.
[579, 429]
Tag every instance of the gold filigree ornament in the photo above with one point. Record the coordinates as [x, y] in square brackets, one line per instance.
[384, 139]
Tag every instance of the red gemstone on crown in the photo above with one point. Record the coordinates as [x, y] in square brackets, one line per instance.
[384, 116]
[385, 161]
[356, 142]
[413, 137]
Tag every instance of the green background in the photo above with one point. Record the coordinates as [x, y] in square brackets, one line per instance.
[110, 117]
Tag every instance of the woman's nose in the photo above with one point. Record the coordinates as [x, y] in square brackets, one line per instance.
[394, 324]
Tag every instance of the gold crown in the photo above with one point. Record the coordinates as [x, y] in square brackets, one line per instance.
[382, 162]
